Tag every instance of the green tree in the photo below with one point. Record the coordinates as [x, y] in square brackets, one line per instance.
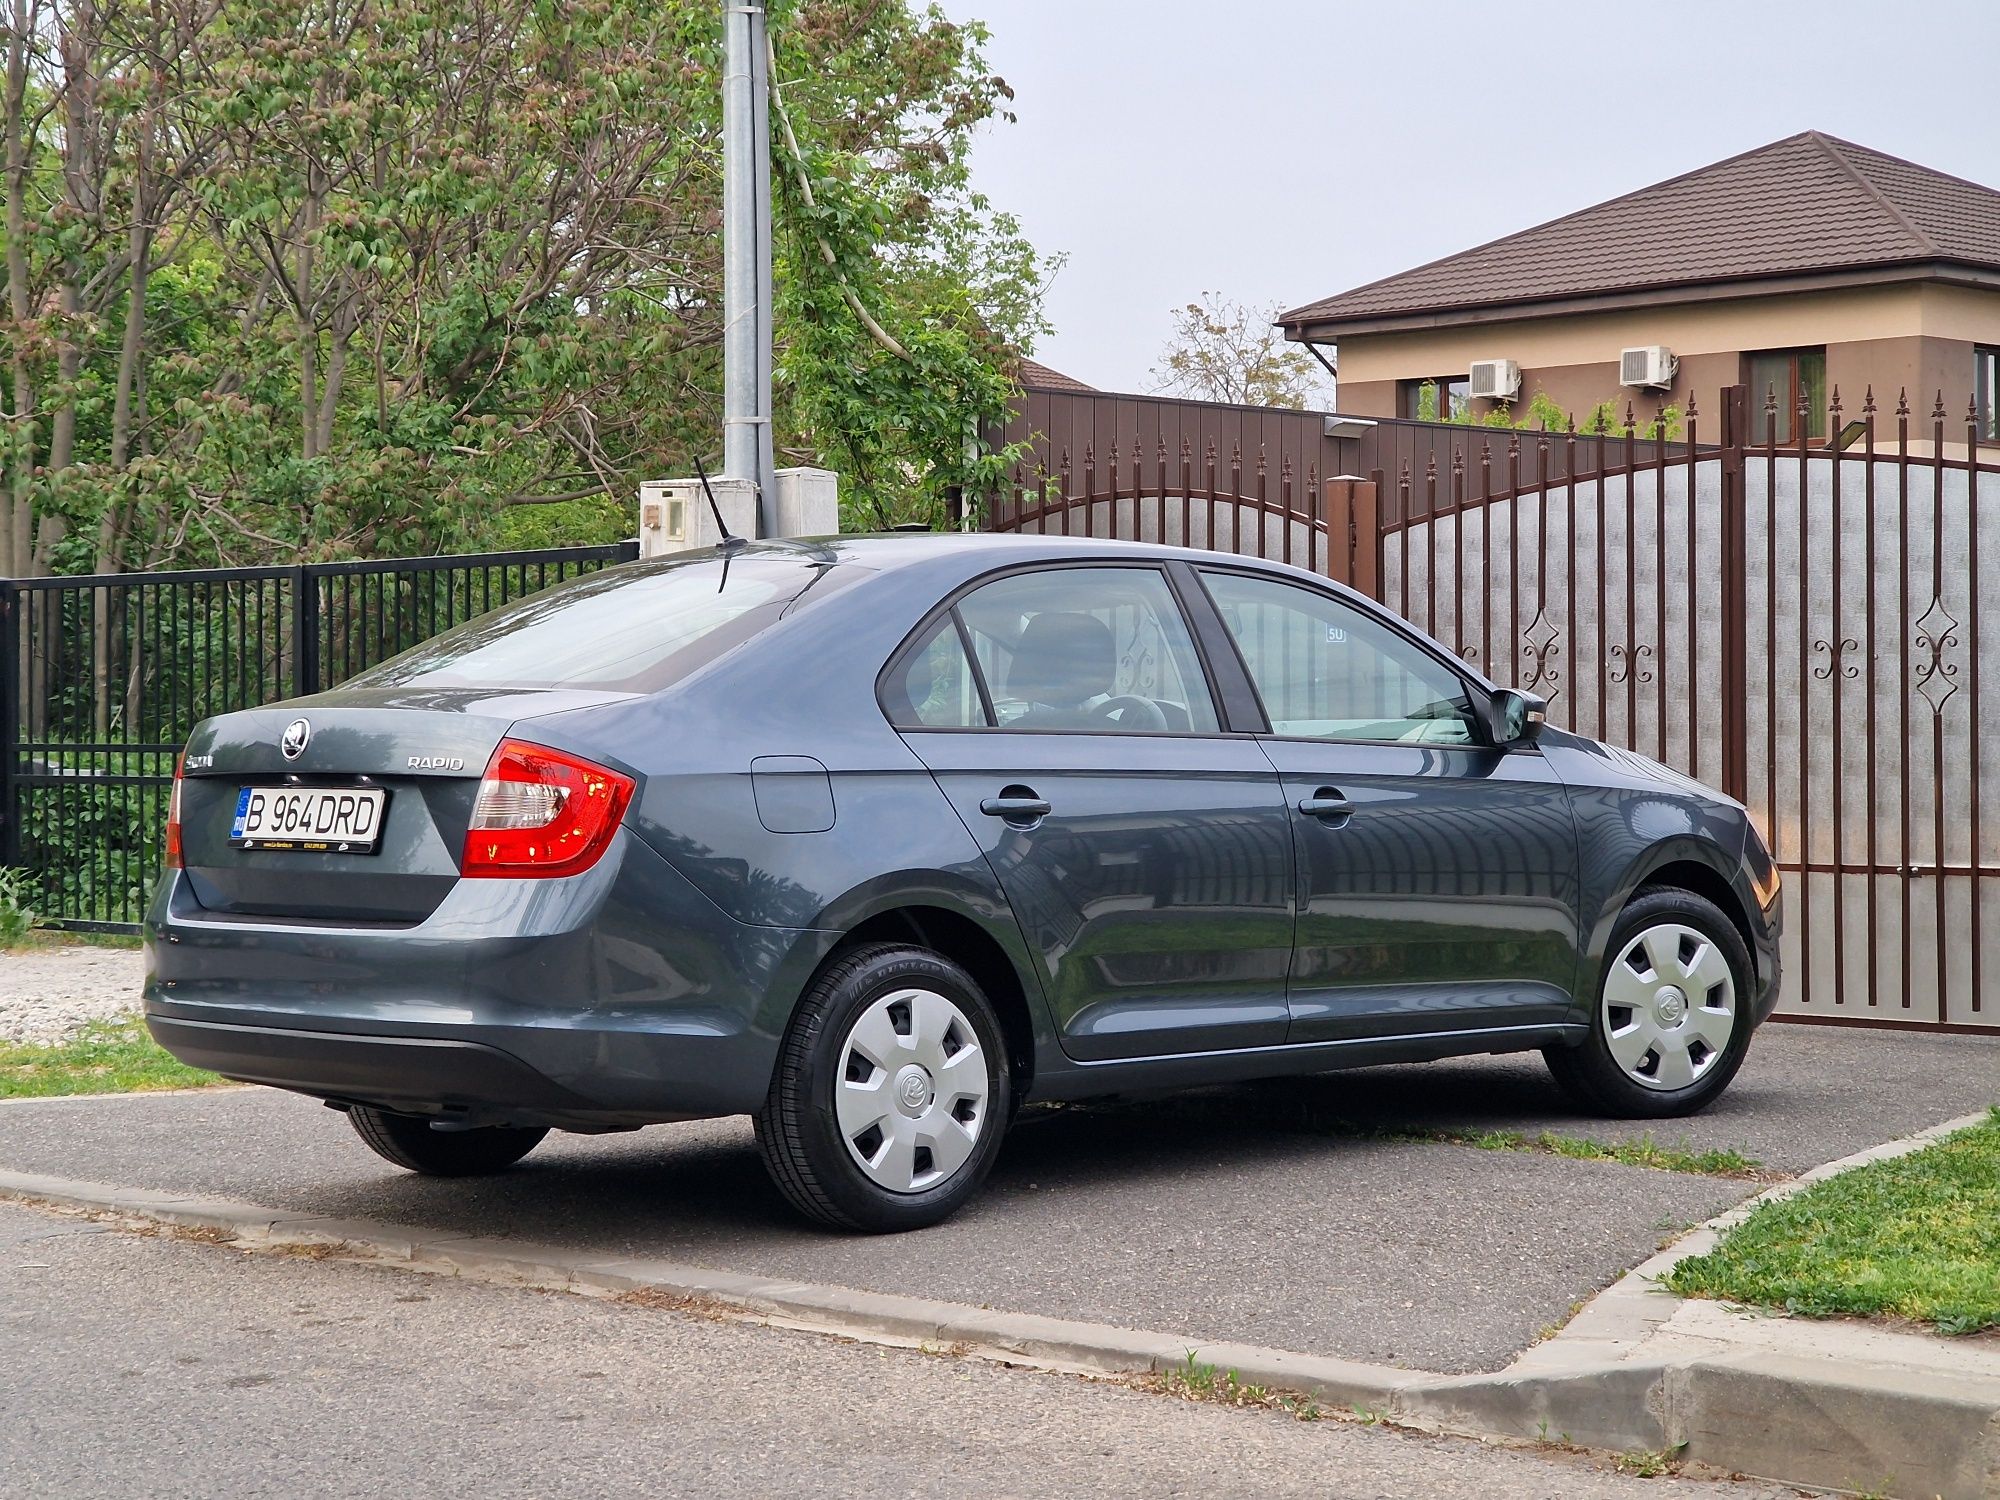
[317, 278]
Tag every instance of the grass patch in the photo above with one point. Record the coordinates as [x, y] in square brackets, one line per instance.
[1644, 1152]
[1650, 1463]
[1916, 1237]
[1192, 1380]
[40, 939]
[101, 1057]
[1282, 1112]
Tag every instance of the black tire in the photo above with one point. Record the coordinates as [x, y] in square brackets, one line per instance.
[409, 1142]
[798, 1131]
[1589, 1072]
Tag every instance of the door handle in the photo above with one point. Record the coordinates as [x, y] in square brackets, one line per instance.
[1327, 805]
[1017, 806]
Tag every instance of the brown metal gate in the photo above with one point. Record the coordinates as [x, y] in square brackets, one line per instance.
[1800, 626]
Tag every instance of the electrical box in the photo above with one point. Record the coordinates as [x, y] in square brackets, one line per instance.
[674, 514]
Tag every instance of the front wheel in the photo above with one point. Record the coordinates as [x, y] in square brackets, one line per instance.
[409, 1142]
[890, 1095]
[1670, 1020]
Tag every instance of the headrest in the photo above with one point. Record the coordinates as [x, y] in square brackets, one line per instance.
[1062, 659]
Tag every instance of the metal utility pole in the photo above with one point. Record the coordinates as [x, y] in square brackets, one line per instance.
[746, 256]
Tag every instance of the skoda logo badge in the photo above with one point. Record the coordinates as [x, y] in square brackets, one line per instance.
[297, 734]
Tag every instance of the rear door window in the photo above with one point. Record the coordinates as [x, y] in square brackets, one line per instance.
[931, 685]
[635, 628]
[1104, 650]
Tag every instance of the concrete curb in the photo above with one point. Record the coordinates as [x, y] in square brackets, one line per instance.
[1632, 1371]
[1615, 1323]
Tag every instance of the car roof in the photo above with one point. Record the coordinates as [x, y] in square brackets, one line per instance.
[884, 550]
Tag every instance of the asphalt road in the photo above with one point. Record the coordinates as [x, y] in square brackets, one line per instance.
[150, 1366]
[1249, 1214]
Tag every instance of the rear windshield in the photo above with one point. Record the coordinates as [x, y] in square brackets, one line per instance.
[634, 629]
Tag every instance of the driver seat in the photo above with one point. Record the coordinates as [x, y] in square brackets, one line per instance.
[1062, 661]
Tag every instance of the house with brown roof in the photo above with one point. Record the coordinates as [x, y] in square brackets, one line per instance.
[1034, 375]
[1805, 265]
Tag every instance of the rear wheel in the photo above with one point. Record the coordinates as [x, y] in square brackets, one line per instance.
[891, 1093]
[1670, 1020]
[410, 1142]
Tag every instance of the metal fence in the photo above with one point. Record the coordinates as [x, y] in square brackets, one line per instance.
[102, 678]
[1802, 626]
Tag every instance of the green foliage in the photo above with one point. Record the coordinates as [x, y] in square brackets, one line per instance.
[441, 275]
[1914, 1237]
[17, 917]
[1544, 415]
[897, 238]
[91, 851]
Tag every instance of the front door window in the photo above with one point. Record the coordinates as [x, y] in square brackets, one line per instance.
[1098, 650]
[1326, 671]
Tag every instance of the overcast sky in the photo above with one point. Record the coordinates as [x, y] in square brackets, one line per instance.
[1282, 150]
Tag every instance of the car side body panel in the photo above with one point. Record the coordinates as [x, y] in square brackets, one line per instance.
[1636, 818]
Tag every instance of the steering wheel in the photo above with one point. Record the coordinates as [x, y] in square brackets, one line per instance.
[1128, 711]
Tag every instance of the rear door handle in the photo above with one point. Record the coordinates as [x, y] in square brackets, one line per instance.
[1327, 805]
[1017, 806]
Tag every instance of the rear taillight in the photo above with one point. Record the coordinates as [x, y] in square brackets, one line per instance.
[542, 812]
[174, 859]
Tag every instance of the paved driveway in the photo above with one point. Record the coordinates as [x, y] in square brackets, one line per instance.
[1265, 1214]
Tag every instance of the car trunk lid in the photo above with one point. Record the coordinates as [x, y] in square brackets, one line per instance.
[423, 749]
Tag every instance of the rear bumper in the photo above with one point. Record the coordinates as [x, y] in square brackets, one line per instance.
[418, 1074]
[617, 997]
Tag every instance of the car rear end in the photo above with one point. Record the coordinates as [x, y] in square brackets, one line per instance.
[420, 892]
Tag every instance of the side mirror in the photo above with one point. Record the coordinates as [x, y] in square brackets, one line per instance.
[1514, 718]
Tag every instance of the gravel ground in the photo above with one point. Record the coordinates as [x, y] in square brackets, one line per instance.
[46, 993]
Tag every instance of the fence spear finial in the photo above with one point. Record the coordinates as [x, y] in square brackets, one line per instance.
[1903, 401]
[1868, 401]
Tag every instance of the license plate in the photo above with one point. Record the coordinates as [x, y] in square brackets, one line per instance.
[316, 820]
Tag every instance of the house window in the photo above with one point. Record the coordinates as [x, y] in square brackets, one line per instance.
[1436, 398]
[1789, 374]
[1985, 389]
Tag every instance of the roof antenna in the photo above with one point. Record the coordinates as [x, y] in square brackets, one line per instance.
[730, 541]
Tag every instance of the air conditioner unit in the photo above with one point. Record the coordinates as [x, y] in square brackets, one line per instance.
[1652, 366]
[1495, 380]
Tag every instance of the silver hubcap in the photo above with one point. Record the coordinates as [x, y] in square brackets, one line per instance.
[1669, 1007]
[912, 1094]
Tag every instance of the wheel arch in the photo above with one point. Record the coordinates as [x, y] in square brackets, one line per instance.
[1692, 865]
[970, 921]
[967, 943]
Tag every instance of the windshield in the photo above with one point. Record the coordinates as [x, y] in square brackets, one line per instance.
[635, 628]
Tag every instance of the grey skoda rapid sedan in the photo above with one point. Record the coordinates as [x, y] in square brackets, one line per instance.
[877, 839]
